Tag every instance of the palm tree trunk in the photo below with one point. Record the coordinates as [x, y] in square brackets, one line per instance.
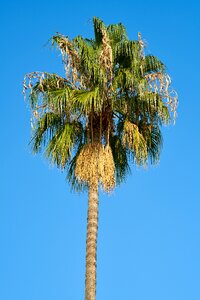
[91, 244]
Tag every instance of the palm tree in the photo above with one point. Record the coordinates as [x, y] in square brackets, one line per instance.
[105, 114]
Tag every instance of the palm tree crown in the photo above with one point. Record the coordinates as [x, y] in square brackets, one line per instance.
[106, 112]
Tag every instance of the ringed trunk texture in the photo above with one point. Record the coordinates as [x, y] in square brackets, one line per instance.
[91, 243]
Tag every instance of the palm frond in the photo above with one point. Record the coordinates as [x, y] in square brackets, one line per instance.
[60, 147]
[152, 64]
[117, 33]
[153, 137]
[91, 73]
[120, 159]
[87, 101]
[44, 130]
[127, 53]
[98, 27]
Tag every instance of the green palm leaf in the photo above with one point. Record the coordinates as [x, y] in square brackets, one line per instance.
[59, 148]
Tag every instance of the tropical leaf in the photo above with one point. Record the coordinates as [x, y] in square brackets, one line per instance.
[98, 27]
[60, 146]
[120, 158]
[87, 101]
[152, 64]
[44, 130]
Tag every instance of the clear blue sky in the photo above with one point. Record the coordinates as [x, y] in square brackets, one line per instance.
[149, 230]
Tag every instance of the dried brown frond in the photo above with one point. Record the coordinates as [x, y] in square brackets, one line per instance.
[69, 55]
[142, 45]
[160, 83]
[47, 82]
[106, 53]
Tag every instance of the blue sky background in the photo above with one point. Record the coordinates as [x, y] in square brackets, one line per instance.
[149, 228]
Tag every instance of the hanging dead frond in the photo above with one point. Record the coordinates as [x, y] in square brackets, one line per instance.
[45, 93]
[95, 162]
[43, 81]
[69, 55]
[160, 83]
[106, 53]
[142, 45]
